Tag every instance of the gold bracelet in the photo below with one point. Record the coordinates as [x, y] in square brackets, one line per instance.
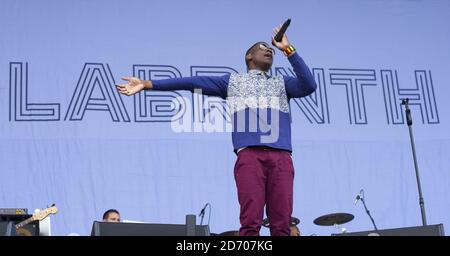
[289, 50]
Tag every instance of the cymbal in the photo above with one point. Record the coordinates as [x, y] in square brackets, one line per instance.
[333, 218]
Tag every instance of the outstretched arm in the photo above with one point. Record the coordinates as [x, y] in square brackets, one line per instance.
[303, 84]
[133, 85]
[210, 85]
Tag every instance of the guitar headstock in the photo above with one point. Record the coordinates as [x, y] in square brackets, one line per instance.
[44, 213]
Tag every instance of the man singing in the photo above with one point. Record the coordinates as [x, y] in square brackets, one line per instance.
[259, 104]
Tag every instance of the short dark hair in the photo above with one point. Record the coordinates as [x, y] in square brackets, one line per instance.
[105, 215]
[250, 50]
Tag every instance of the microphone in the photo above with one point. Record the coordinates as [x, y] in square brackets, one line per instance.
[405, 102]
[202, 213]
[282, 30]
[359, 196]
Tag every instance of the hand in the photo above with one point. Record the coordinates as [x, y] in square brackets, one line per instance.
[133, 86]
[284, 40]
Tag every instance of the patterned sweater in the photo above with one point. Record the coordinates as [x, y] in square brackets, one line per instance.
[259, 104]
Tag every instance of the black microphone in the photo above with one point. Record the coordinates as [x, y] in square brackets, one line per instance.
[359, 196]
[202, 212]
[405, 102]
[282, 30]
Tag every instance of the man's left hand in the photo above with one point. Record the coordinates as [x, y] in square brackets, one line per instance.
[284, 43]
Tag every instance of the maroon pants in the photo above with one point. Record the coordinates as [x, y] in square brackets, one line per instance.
[264, 178]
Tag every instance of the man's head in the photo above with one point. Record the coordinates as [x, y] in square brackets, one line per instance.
[111, 215]
[259, 56]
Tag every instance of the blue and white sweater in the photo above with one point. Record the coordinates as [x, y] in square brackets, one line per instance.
[259, 104]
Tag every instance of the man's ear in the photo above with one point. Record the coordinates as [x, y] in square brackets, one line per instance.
[249, 57]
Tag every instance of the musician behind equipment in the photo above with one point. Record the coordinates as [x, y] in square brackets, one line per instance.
[111, 215]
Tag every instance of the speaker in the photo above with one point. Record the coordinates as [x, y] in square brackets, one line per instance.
[145, 229]
[430, 230]
[31, 229]
[7, 228]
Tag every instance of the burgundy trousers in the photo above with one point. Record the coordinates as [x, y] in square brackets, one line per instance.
[264, 178]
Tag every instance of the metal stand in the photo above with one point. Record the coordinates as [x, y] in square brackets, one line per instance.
[368, 212]
[361, 197]
[409, 123]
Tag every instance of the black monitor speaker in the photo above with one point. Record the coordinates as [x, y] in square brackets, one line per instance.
[6, 228]
[8, 222]
[430, 230]
[145, 229]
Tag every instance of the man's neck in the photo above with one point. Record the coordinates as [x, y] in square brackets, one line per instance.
[258, 69]
[258, 72]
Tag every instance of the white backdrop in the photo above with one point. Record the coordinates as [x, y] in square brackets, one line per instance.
[67, 137]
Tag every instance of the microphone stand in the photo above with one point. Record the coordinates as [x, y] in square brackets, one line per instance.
[202, 215]
[368, 212]
[416, 167]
